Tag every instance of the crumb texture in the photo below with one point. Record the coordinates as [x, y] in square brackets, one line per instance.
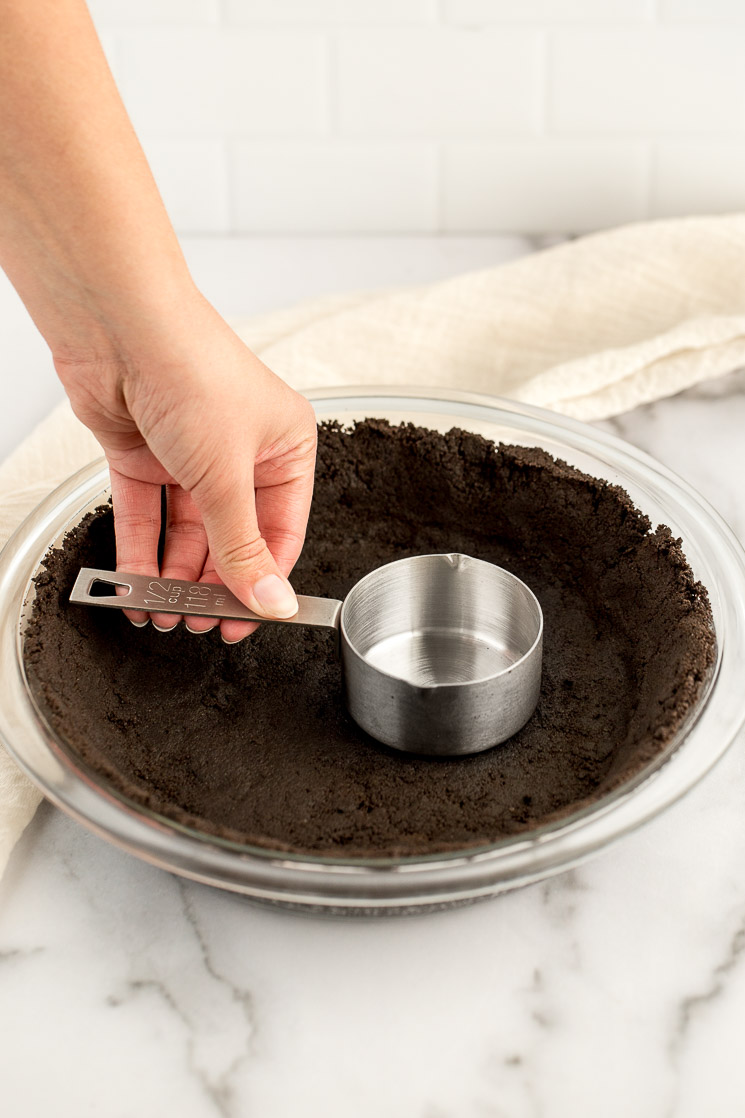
[253, 742]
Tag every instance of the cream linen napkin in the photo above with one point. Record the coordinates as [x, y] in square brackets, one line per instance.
[590, 328]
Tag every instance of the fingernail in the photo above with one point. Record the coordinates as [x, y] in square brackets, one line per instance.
[238, 641]
[162, 629]
[139, 624]
[275, 597]
[197, 632]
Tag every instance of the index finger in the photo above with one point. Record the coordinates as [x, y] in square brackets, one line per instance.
[137, 527]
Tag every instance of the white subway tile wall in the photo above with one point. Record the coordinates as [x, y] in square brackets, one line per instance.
[210, 82]
[438, 82]
[381, 188]
[426, 116]
[543, 12]
[650, 82]
[704, 11]
[149, 12]
[392, 12]
[695, 176]
[534, 185]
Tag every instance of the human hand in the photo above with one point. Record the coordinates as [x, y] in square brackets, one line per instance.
[185, 404]
[172, 394]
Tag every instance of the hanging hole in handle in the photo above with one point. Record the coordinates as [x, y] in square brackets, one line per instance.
[102, 589]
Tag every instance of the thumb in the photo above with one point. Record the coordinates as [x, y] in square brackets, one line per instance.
[238, 550]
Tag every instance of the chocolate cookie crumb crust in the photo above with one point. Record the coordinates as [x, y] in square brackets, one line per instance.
[252, 742]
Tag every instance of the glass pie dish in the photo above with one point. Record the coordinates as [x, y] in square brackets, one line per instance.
[413, 883]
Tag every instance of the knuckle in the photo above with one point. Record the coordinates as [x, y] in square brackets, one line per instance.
[183, 562]
[288, 536]
[307, 413]
[186, 530]
[291, 461]
[208, 482]
[246, 553]
[309, 426]
[136, 524]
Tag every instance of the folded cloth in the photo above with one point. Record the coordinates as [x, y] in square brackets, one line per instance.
[589, 328]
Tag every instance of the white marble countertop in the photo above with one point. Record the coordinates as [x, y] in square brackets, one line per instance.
[617, 989]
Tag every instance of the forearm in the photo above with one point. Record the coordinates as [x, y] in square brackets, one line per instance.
[84, 236]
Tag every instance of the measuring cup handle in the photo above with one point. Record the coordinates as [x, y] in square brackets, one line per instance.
[191, 599]
[319, 613]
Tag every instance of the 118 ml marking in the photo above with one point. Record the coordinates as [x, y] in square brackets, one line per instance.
[195, 598]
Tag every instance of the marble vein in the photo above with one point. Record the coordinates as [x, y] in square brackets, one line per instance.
[220, 1088]
[691, 1008]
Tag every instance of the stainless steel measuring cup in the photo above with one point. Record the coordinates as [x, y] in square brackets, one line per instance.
[441, 654]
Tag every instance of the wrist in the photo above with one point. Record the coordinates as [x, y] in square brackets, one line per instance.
[130, 322]
[120, 323]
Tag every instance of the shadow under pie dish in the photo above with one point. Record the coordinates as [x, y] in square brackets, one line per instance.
[240, 765]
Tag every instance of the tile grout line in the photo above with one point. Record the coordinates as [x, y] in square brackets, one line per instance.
[652, 175]
[440, 219]
[332, 86]
[546, 79]
[231, 176]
